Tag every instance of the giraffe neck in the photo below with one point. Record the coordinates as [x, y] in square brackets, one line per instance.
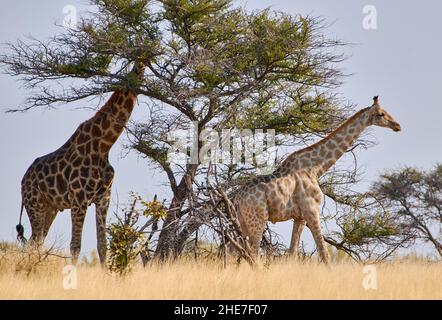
[99, 133]
[325, 153]
[110, 121]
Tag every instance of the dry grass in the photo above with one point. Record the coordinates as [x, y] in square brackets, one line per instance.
[284, 279]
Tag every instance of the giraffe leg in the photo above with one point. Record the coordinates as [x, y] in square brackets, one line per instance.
[37, 218]
[314, 225]
[49, 218]
[255, 232]
[77, 217]
[298, 226]
[101, 213]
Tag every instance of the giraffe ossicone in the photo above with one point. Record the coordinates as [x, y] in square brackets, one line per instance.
[292, 192]
[78, 174]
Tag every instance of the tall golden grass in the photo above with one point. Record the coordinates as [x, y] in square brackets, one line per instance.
[188, 279]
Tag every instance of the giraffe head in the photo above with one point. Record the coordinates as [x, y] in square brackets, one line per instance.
[381, 118]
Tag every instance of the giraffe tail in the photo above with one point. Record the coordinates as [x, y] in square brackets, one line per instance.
[20, 229]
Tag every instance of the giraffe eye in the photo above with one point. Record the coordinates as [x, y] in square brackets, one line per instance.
[381, 114]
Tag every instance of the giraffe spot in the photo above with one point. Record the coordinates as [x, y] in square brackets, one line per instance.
[337, 153]
[87, 162]
[106, 124]
[95, 174]
[77, 162]
[81, 196]
[120, 100]
[74, 174]
[76, 185]
[105, 147]
[60, 184]
[82, 138]
[62, 164]
[95, 144]
[119, 127]
[43, 187]
[96, 131]
[89, 188]
[87, 127]
[54, 168]
[50, 180]
[67, 172]
[88, 148]
[330, 144]
[122, 116]
[329, 154]
[305, 162]
[81, 150]
[95, 159]
[84, 171]
[110, 137]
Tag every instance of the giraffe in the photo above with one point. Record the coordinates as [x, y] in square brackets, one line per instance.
[78, 174]
[292, 191]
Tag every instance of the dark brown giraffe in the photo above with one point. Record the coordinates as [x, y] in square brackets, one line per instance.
[78, 174]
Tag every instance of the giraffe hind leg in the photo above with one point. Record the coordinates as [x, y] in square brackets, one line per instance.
[37, 219]
[298, 226]
[314, 225]
[49, 219]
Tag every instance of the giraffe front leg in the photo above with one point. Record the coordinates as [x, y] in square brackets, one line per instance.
[298, 227]
[255, 233]
[101, 212]
[77, 217]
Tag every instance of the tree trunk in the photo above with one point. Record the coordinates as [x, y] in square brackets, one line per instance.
[167, 240]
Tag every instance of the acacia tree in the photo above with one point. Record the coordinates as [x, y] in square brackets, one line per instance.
[233, 69]
[207, 62]
[414, 199]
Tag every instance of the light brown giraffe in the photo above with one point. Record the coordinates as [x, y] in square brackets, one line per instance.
[293, 191]
[78, 174]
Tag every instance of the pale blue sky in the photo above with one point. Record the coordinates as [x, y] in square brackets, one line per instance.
[400, 61]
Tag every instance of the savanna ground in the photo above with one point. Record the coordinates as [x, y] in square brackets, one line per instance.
[21, 277]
